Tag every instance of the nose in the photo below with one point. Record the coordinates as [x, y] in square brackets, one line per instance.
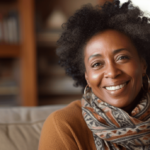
[112, 71]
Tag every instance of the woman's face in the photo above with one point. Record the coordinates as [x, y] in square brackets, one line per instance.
[113, 68]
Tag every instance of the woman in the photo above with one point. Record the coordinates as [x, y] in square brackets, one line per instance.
[106, 51]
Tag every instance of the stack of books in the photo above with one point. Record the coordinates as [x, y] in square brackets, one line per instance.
[9, 81]
[9, 28]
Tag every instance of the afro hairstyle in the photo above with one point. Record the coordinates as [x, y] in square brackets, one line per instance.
[88, 21]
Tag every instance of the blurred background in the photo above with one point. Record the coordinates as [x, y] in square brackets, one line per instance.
[29, 71]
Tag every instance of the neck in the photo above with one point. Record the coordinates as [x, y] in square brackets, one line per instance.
[130, 107]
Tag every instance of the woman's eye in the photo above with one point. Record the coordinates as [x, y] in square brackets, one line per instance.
[123, 57]
[96, 65]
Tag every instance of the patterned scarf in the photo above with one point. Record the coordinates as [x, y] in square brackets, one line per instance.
[115, 129]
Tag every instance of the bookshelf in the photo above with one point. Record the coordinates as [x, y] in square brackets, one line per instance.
[54, 87]
[24, 50]
[7, 51]
[36, 45]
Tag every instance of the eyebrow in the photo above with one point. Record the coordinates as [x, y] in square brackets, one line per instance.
[119, 50]
[114, 52]
[95, 55]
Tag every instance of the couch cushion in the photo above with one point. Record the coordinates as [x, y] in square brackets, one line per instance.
[20, 127]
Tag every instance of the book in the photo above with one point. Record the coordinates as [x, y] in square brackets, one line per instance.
[9, 28]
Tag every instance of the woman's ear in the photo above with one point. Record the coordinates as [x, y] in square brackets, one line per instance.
[144, 66]
[86, 78]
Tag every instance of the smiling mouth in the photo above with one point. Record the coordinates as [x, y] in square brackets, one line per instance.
[117, 87]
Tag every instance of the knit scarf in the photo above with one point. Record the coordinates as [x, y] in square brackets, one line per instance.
[115, 129]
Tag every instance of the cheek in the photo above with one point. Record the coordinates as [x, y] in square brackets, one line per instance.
[95, 79]
[134, 70]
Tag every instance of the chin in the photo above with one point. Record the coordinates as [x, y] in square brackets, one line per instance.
[120, 103]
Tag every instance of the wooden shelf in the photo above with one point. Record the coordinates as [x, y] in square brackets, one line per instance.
[8, 50]
[5, 6]
[26, 51]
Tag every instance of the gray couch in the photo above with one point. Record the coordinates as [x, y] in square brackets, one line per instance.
[20, 127]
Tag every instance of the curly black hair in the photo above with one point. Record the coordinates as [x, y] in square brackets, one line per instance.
[90, 20]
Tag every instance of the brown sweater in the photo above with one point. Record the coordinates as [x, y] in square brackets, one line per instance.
[66, 129]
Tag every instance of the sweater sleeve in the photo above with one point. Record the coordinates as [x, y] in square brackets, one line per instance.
[56, 134]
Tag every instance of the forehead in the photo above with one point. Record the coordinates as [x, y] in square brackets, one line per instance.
[107, 41]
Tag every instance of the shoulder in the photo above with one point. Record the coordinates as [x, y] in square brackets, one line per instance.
[64, 127]
[67, 115]
[72, 108]
[57, 129]
[60, 128]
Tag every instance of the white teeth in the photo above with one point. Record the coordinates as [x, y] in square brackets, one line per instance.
[116, 87]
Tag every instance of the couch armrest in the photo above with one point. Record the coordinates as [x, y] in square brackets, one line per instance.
[20, 127]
